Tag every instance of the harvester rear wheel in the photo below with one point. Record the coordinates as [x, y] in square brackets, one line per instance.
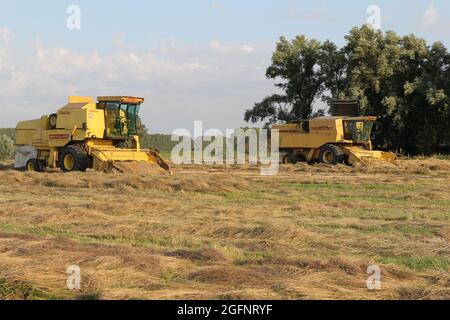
[73, 158]
[289, 159]
[53, 118]
[331, 154]
[34, 165]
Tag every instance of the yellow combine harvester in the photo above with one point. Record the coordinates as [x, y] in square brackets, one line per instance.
[330, 140]
[85, 134]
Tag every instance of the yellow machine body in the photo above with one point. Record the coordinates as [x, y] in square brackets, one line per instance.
[98, 134]
[330, 140]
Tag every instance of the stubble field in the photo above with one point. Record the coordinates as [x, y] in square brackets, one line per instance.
[310, 232]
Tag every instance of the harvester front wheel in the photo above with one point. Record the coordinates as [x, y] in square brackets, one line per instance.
[34, 165]
[73, 158]
[331, 154]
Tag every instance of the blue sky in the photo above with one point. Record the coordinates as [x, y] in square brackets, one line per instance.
[192, 59]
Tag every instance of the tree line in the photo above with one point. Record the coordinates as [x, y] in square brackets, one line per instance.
[161, 142]
[7, 138]
[401, 79]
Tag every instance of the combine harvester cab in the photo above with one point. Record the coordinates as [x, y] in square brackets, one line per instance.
[331, 140]
[87, 135]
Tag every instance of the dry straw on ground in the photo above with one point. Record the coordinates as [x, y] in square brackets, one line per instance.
[228, 233]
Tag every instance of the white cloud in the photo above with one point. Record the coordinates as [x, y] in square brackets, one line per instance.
[62, 61]
[430, 17]
[247, 48]
[213, 82]
[118, 40]
[6, 35]
[13, 78]
[215, 4]
[432, 21]
[217, 46]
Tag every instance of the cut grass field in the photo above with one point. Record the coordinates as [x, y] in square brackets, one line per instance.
[310, 232]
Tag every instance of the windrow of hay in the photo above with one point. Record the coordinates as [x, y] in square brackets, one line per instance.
[94, 180]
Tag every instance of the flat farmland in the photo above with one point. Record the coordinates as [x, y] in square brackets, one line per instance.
[310, 232]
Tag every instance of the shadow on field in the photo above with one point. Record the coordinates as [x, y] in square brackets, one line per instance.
[6, 166]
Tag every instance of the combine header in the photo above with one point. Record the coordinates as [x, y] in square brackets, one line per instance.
[331, 140]
[86, 134]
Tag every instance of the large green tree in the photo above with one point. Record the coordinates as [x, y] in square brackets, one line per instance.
[296, 66]
[6, 147]
[402, 80]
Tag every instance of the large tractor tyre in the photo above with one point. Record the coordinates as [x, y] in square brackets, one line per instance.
[290, 159]
[331, 154]
[34, 165]
[52, 119]
[73, 158]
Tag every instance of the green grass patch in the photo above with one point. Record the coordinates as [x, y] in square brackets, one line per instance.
[156, 242]
[418, 263]
[169, 277]
[407, 230]
[89, 295]
[248, 198]
[410, 230]
[315, 185]
[20, 290]
[251, 258]
[255, 195]
[443, 157]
